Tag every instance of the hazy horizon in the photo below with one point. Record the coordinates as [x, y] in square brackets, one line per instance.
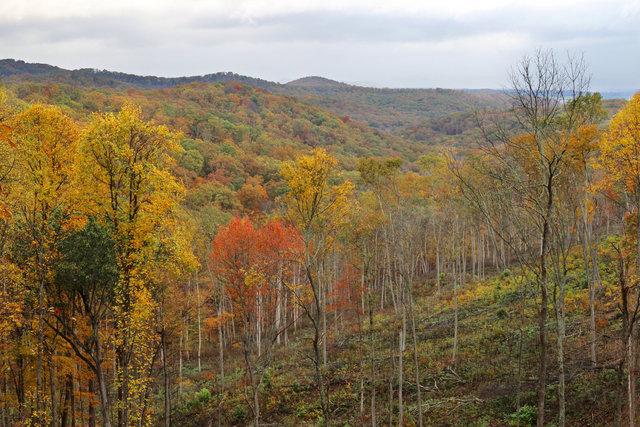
[622, 92]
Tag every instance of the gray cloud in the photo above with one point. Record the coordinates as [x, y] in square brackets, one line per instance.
[394, 49]
[337, 26]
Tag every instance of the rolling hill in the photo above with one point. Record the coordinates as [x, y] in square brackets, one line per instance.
[383, 108]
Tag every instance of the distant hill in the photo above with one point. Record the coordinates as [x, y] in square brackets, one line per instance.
[425, 117]
[247, 117]
[19, 71]
[624, 94]
[390, 109]
[385, 109]
[315, 82]
[461, 130]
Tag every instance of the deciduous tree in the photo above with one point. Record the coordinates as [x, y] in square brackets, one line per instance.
[319, 210]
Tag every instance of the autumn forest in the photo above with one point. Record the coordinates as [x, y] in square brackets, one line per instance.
[225, 250]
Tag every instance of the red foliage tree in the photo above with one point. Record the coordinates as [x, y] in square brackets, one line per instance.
[255, 263]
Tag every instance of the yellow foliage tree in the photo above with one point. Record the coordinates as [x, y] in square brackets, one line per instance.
[44, 145]
[319, 210]
[124, 164]
[620, 158]
[620, 150]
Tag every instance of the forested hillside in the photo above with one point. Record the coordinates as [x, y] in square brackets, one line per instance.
[425, 117]
[20, 71]
[463, 130]
[217, 254]
[389, 109]
[385, 109]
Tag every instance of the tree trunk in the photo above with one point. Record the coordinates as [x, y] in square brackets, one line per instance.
[220, 330]
[560, 313]
[187, 322]
[391, 375]
[438, 258]
[52, 390]
[256, 404]
[473, 256]
[317, 351]
[221, 348]
[72, 405]
[361, 363]
[590, 272]
[633, 350]
[66, 405]
[483, 240]
[519, 391]
[319, 380]
[102, 386]
[617, 417]
[632, 373]
[400, 380]
[167, 403]
[39, 388]
[4, 415]
[373, 362]
[123, 392]
[259, 323]
[454, 274]
[323, 309]
[625, 334]
[92, 408]
[199, 323]
[415, 359]
[180, 368]
[279, 309]
[543, 311]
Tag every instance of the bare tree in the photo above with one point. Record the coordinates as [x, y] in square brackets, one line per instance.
[525, 159]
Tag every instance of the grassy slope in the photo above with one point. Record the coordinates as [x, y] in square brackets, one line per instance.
[497, 316]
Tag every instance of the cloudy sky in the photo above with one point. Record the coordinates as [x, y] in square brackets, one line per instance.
[386, 43]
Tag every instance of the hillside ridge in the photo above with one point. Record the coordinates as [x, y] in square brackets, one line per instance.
[387, 109]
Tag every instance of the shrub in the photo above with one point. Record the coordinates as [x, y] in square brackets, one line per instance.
[203, 396]
[239, 414]
[528, 416]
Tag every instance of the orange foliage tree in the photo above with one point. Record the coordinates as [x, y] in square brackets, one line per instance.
[255, 263]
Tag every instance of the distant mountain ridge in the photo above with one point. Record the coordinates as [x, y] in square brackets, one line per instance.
[12, 68]
[383, 108]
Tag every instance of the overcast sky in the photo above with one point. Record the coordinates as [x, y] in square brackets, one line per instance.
[388, 43]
